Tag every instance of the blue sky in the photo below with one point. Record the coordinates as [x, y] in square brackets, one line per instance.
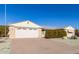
[50, 15]
[2, 14]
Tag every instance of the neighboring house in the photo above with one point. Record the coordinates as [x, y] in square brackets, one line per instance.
[70, 31]
[26, 29]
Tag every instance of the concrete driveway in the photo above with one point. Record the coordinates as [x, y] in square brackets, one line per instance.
[42, 46]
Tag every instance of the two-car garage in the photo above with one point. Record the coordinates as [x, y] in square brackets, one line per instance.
[26, 29]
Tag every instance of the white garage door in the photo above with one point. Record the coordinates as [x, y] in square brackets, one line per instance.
[27, 33]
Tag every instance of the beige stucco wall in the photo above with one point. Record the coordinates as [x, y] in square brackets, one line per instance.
[41, 33]
[70, 34]
[11, 32]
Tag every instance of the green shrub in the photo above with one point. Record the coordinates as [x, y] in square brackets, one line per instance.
[77, 32]
[3, 31]
[73, 37]
[57, 33]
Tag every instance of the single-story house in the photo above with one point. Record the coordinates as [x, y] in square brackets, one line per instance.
[70, 31]
[28, 29]
[25, 29]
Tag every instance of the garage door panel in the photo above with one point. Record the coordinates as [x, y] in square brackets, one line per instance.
[27, 34]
